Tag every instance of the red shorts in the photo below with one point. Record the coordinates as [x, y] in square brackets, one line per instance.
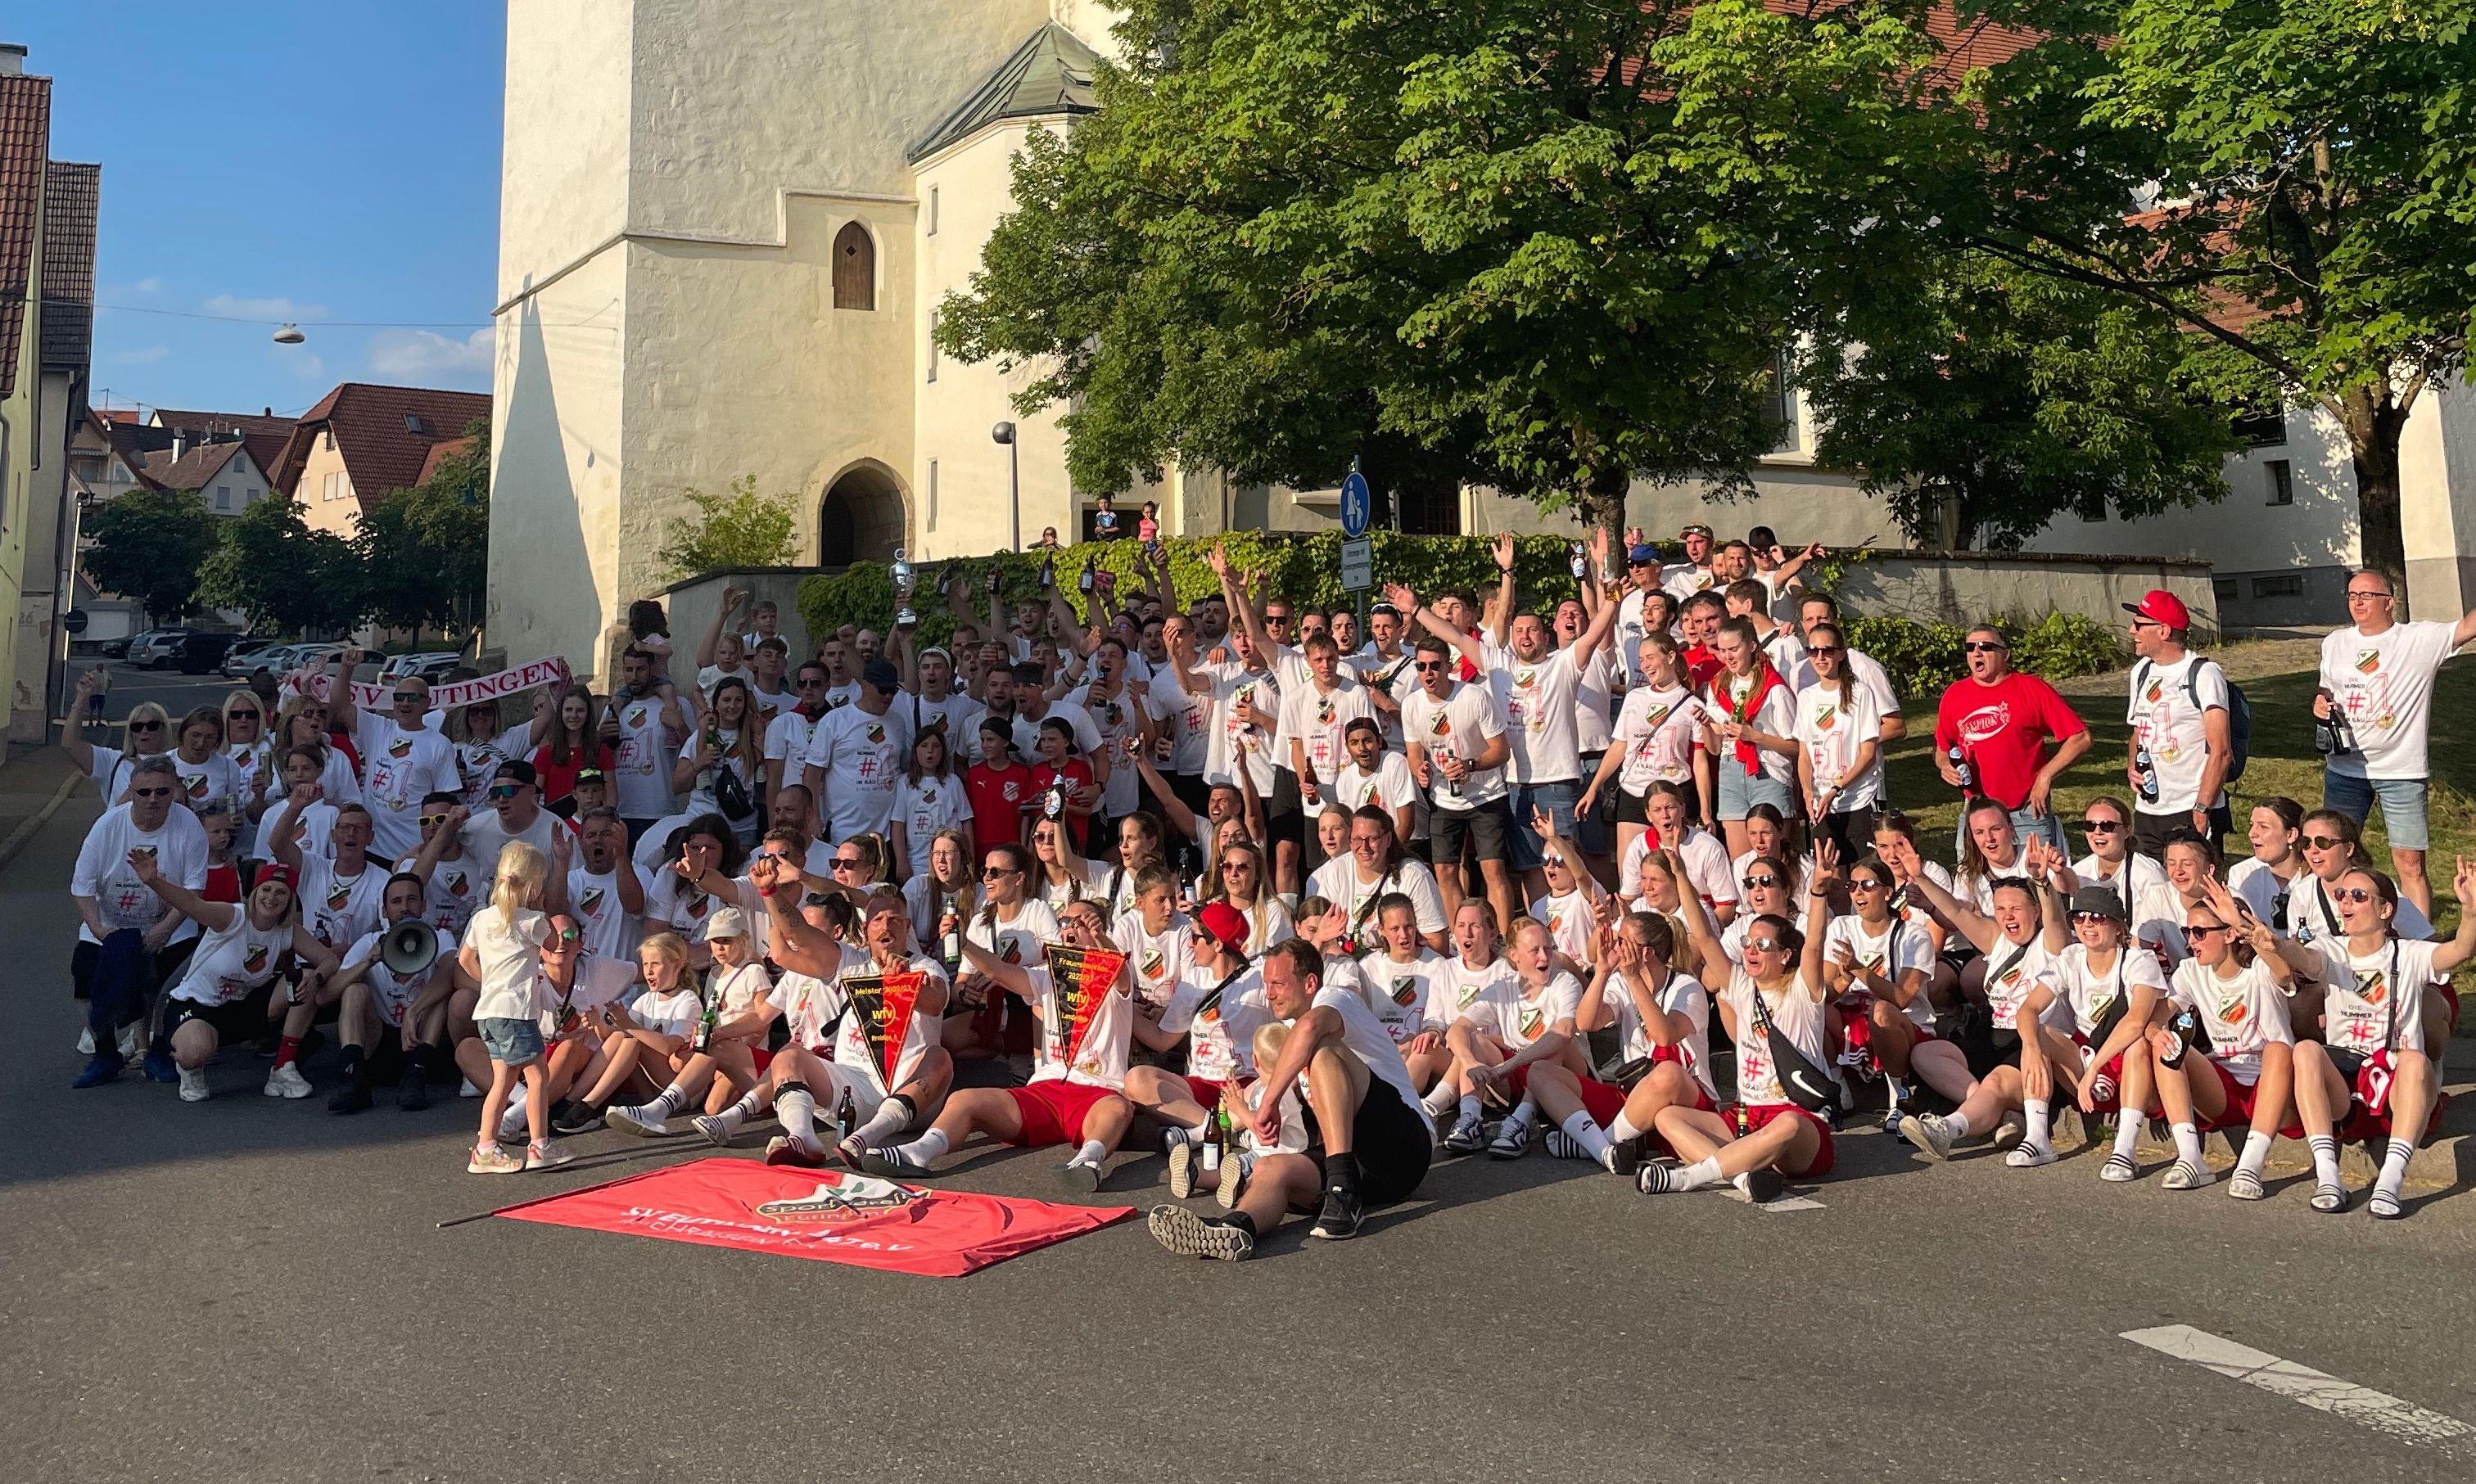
[1759, 1114]
[2238, 1113]
[1603, 1100]
[1207, 1092]
[1053, 1111]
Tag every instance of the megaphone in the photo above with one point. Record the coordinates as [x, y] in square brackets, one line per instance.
[408, 948]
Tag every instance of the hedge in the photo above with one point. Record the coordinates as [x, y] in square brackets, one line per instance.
[1306, 569]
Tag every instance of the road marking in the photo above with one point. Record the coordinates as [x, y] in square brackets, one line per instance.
[1783, 1203]
[2379, 1411]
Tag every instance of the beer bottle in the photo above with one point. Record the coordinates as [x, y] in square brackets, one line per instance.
[2180, 1032]
[2144, 773]
[846, 1115]
[950, 939]
[1960, 766]
[704, 1039]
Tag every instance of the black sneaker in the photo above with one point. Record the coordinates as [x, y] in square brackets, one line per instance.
[570, 1117]
[413, 1094]
[1342, 1214]
[352, 1098]
[1763, 1186]
[1189, 1235]
[1625, 1156]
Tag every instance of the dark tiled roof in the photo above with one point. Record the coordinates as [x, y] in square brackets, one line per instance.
[195, 469]
[263, 432]
[25, 141]
[71, 196]
[382, 451]
[440, 453]
[1050, 73]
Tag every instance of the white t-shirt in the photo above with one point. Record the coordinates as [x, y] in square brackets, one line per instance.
[1087, 732]
[1236, 742]
[1682, 995]
[486, 837]
[454, 893]
[1158, 958]
[2362, 995]
[399, 768]
[2242, 1015]
[1461, 726]
[232, 960]
[1793, 1012]
[641, 762]
[1338, 881]
[2165, 719]
[609, 931]
[1595, 704]
[253, 765]
[1706, 868]
[786, 742]
[1317, 721]
[110, 768]
[2384, 683]
[338, 910]
[1514, 1018]
[1396, 676]
[1457, 987]
[2089, 994]
[701, 798]
[924, 809]
[1186, 717]
[1831, 731]
[312, 829]
[1095, 1058]
[1115, 718]
[1019, 941]
[1657, 729]
[1538, 699]
[511, 956]
[1872, 678]
[958, 712]
[1775, 717]
[1401, 994]
[1389, 787]
[1366, 1036]
[476, 763]
[1682, 580]
[123, 901]
[862, 759]
[674, 1014]
[2261, 889]
[1890, 952]
[1221, 1035]
[738, 992]
[2311, 917]
[200, 782]
[2012, 971]
[1630, 634]
[390, 994]
[1573, 930]
[1088, 882]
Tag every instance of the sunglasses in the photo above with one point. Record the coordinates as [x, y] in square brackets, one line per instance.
[1758, 882]
[2352, 894]
[1766, 945]
[433, 819]
[2148, 623]
[569, 936]
[840, 864]
[2093, 917]
[244, 716]
[987, 873]
[1423, 665]
[2322, 842]
[146, 726]
[505, 791]
[1985, 647]
[151, 793]
[1860, 884]
[2193, 934]
[411, 698]
[2100, 825]
[1826, 648]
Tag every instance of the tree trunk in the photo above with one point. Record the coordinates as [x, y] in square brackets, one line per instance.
[2373, 424]
[1602, 504]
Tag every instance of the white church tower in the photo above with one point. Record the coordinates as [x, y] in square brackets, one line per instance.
[725, 226]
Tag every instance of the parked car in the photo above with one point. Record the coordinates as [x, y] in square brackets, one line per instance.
[115, 649]
[425, 664]
[311, 655]
[199, 653]
[248, 654]
[155, 647]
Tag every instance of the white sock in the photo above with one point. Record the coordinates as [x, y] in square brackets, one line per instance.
[925, 1149]
[1438, 1099]
[2127, 1132]
[888, 1120]
[2325, 1159]
[672, 1100]
[1524, 1114]
[1897, 1090]
[2256, 1153]
[796, 1108]
[2394, 1173]
[2039, 1114]
[1624, 1128]
[1584, 1130]
[1700, 1174]
[1470, 1107]
[2188, 1145]
[1958, 1122]
[1093, 1153]
[513, 1122]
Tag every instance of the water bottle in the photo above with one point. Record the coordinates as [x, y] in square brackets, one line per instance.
[2144, 774]
[1960, 765]
[2180, 1031]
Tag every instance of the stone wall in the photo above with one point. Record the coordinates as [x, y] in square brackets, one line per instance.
[1964, 586]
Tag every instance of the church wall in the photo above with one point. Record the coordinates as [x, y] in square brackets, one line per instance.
[563, 176]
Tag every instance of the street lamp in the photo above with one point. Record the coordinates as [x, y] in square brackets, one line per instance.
[1004, 433]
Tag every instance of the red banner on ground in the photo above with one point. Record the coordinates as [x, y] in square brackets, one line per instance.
[829, 1215]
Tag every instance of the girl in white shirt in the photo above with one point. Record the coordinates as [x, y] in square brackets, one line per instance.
[1239, 878]
[1653, 740]
[503, 952]
[2233, 989]
[1837, 735]
[645, 1043]
[2276, 865]
[2111, 987]
[1662, 1018]
[930, 798]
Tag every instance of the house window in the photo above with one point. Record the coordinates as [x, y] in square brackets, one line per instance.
[854, 268]
[1779, 405]
[223, 497]
[2283, 585]
[932, 211]
[327, 441]
[932, 494]
[2223, 589]
[933, 345]
[2282, 481]
[2262, 427]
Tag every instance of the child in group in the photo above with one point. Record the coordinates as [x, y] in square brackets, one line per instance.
[503, 952]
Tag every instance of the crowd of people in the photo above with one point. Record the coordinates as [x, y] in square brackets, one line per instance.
[1311, 901]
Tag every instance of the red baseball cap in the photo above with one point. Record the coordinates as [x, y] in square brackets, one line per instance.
[1226, 923]
[274, 871]
[2162, 607]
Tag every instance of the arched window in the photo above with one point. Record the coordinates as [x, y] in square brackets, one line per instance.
[854, 268]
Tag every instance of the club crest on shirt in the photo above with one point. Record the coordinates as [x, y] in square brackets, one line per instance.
[2233, 1011]
[146, 850]
[455, 881]
[195, 783]
[1827, 718]
[1013, 791]
[591, 902]
[337, 894]
[401, 746]
[1464, 994]
[927, 793]
[2154, 691]
[2372, 988]
[2369, 660]
[1442, 724]
[1532, 1021]
[876, 732]
[1404, 992]
[635, 716]
[1011, 952]
[1153, 964]
[855, 1197]
[256, 961]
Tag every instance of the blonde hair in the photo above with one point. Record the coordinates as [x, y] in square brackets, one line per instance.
[518, 884]
[667, 946]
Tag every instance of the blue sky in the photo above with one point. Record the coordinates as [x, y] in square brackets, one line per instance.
[336, 164]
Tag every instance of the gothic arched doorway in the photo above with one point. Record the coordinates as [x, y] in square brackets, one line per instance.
[861, 519]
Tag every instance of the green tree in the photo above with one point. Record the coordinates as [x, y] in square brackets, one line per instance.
[1484, 229]
[424, 551]
[148, 545]
[1980, 402]
[285, 576]
[740, 528]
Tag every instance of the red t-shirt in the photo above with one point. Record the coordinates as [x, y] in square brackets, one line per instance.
[2005, 731]
[998, 799]
[1079, 775]
[559, 781]
[1700, 664]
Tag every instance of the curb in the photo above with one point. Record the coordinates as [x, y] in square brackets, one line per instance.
[19, 837]
[2443, 1161]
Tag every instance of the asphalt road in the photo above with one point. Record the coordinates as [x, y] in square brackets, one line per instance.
[249, 1288]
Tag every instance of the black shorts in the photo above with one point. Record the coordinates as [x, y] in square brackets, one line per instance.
[1630, 807]
[2150, 831]
[1286, 810]
[1486, 830]
[1391, 1142]
[242, 1020]
[1990, 1049]
[1851, 832]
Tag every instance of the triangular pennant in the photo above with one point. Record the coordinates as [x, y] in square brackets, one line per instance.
[881, 1007]
[1079, 983]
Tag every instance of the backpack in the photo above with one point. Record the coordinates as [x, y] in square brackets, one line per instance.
[2238, 714]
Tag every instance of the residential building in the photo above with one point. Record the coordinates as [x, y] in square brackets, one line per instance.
[263, 431]
[363, 442]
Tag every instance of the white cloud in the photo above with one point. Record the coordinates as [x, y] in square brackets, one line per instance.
[306, 366]
[278, 308]
[145, 357]
[150, 285]
[424, 355]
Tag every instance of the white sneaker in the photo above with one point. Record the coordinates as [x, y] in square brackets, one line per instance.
[468, 1090]
[287, 1081]
[193, 1085]
[490, 1159]
[2026, 1156]
[1929, 1135]
[546, 1154]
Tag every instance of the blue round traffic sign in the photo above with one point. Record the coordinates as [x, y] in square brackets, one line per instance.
[1357, 504]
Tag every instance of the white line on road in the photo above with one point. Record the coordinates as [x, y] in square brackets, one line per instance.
[2383, 1413]
[1783, 1203]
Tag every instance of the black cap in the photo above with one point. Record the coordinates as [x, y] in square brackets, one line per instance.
[515, 770]
[880, 675]
[2099, 901]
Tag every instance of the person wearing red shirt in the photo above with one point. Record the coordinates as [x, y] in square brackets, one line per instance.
[1060, 764]
[572, 747]
[998, 786]
[2006, 736]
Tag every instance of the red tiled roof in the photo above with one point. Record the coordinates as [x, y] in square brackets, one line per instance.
[25, 142]
[263, 432]
[440, 453]
[119, 416]
[382, 451]
[71, 195]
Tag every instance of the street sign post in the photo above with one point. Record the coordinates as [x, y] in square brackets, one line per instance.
[1357, 502]
[74, 621]
[1357, 565]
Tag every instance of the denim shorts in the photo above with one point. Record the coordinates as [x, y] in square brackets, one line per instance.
[1556, 801]
[2402, 801]
[511, 1042]
[1738, 793]
[1598, 829]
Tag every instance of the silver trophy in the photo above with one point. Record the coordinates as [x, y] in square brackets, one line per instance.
[1580, 561]
[906, 583]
